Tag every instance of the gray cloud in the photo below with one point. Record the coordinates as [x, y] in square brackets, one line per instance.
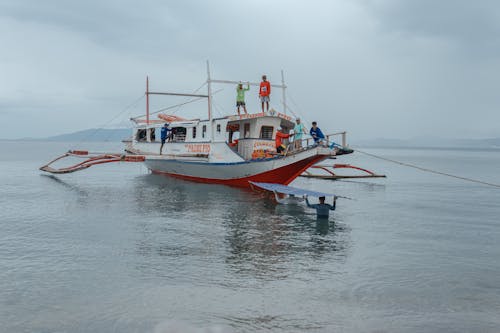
[374, 68]
[473, 25]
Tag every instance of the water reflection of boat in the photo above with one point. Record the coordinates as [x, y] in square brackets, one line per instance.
[254, 236]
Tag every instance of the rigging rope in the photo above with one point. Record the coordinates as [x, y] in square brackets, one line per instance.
[176, 105]
[305, 120]
[172, 107]
[219, 108]
[134, 103]
[427, 169]
[194, 92]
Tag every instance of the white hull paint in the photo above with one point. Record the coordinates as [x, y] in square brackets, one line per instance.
[227, 171]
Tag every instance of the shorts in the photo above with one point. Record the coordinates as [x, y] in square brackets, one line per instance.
[264, 99]
[163, 141]
[319, 141]
[281, 149]
[238, 103]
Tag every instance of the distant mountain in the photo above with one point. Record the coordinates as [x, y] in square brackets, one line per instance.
[92, 135]
[116, 135]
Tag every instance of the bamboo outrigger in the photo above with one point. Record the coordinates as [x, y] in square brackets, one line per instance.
[333, 176]
[90, 160]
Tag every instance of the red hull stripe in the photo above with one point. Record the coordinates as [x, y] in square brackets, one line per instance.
[283, 175]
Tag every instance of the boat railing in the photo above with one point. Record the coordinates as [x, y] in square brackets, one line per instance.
[330, 138]
[309, 142]
[179, 138]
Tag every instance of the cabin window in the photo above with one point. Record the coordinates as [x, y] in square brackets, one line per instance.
[218, 128]
[194, 132]
[266, 132]
[152, 135]
[246, 130]
[204, 131]
[141, 135]
[234, 132]
[179, 134]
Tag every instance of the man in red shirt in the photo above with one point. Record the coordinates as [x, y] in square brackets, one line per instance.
[264, 92]
[279, 146]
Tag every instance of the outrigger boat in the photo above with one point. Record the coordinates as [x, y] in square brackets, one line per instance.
[231, 150]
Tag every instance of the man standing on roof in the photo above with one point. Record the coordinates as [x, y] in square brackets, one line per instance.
[280, 147]
[265, 92]
[316, 134]
[322, 209]
[240, 97]
[298, 130]
[164, 135]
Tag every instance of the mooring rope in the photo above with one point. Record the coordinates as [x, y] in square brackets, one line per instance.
[428, 170]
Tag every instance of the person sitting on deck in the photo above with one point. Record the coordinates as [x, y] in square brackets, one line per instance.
[291, 199]
[280, 147]
[240, 97]
[316, 134]
[164, 135]
[322, 209]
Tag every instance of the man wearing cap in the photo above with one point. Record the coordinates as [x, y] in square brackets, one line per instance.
[280, 147]
[264, 92]
[164, 135]
[298, 130]
[240, 97]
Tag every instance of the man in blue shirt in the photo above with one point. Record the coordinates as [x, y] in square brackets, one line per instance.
[164, 135]
[323, 209]
[316, 134]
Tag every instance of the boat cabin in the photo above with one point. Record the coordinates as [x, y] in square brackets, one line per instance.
[251, 136]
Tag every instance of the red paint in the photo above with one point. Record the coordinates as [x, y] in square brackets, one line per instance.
[134, 158]
[284, 175]
[79, 152]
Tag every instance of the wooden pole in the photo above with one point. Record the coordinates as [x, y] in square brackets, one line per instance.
[147, 100]
[284, 93]
[210, 115]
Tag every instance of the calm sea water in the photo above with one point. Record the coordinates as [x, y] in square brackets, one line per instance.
[116, 249]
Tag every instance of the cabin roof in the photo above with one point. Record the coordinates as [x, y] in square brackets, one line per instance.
[181, 122]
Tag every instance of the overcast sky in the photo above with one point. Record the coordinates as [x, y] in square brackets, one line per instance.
[376, 68]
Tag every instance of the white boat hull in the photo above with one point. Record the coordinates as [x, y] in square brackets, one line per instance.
[282, 169]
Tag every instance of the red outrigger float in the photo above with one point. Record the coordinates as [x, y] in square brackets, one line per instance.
[329, 174]
[90, 160]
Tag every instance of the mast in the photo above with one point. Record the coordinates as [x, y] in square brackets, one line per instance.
[147, 100]
[210, 117]
[209, 86]
[283, 90]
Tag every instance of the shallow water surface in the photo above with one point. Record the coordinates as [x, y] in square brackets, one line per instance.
[116, 249]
